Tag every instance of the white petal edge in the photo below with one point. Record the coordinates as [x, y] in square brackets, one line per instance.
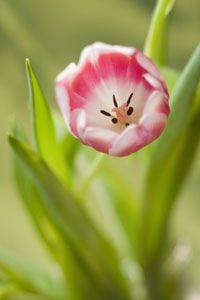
[128, 138]
[146, 63]
[100, 138]
[92, 52]
[63, 102]
[152, 81]
[78, 123]
[154, 123]
[155, 103]
[67, 73]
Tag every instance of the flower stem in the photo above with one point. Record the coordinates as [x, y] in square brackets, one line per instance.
[91, 173]
[155, 44]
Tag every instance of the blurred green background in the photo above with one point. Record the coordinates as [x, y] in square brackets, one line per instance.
[51, 34]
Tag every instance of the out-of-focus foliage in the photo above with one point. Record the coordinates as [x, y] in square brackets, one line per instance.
[52, 34]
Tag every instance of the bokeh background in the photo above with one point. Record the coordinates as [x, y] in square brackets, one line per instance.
[51, 34]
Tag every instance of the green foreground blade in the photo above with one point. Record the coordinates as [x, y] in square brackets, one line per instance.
[96, 254]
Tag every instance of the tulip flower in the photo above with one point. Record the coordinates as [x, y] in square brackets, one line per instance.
[114, 100]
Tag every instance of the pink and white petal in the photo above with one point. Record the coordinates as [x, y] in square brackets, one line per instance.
[112, 65]
[156, 103]
[124, 50]
[135, 137]
[99, 138]
[148, 65]
[136, 74]
[93, 51]
[141, 92]
[109, 62]
[78, 123]
[155, 83]
[63, 101]
[66, 75]
[85, 80]
[134, 71]
[129, 141]
[76, 101]
[154, 123]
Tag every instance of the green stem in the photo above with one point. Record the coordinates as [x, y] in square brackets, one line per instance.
[155, 44]
[91, 173]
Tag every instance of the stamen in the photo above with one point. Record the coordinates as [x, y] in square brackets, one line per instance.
[122, 112]
[129, 99]
[105, 113]
[114, 120]
[130, 111]
[115, 101]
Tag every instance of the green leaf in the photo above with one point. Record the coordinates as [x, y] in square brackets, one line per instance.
[29, 277]
[44, 130]
[32, 199]
[89, 248]
[172, 157]
[156, 41]
[69, 144]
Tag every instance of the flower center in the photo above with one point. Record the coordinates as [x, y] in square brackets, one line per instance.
[121, 113]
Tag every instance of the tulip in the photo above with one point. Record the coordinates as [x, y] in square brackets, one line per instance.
[114, 100]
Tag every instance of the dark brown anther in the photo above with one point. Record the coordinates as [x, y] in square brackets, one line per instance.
[105, 113]
[130, 111]
[115, 101]
[114, 120]
[129, 99]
